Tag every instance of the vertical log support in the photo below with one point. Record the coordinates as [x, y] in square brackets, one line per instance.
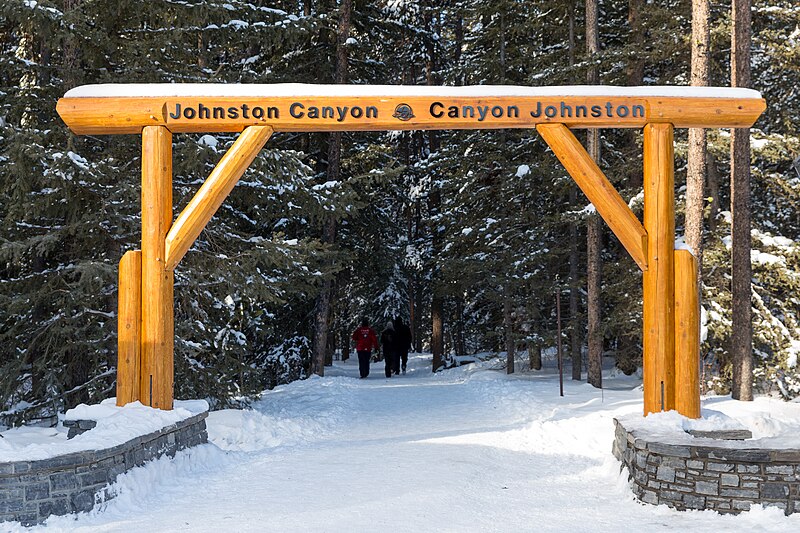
[157, 281]
[687, 335]
[659, 278]
[129, 327]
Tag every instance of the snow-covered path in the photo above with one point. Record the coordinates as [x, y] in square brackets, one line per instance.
[470, 449]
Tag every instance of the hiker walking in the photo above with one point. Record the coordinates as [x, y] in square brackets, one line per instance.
[391, 353]
[404, 341]
[366, 340]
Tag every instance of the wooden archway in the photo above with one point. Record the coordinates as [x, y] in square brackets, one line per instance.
[156, 111]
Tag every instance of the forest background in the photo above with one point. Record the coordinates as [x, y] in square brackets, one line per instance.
[466, 234]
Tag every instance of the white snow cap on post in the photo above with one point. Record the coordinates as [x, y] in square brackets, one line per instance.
[144, 90]
[680, 244]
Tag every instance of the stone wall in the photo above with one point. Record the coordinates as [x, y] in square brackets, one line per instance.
[704, 476]
[31, 491]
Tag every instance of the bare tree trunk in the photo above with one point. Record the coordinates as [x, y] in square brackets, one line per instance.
[437, 333]
[713, 190]
[575, 326]
[594, 277]
[696, 171]
[508, 327]
[635, 77]
[322, 311]
[434, 204]
[594, 234]
[535, 356]
[742, 327]
[460, 347]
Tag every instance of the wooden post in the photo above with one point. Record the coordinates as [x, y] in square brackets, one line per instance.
[129, 324]
[687, 335]
[155, 388]
[659, 278]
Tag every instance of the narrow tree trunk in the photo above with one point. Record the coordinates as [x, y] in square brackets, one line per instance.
[508, 328]
[594, 261]
[434, 204]
[696, 171]
[535, 356]
[635, 77]
[330, 344]
[594, 233]
[460, 347]
[322, 311]
[713, 190]
[635, 68]
[742, 332]
[575, 328]
[437, 333]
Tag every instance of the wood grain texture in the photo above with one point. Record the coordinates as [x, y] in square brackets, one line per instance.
[129, 115]
[129, 325]
[687, 335]
[598, 189]
[157, 282]
[213, 192]
[659, 278]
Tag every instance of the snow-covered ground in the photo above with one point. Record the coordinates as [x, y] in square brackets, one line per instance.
[469, 449]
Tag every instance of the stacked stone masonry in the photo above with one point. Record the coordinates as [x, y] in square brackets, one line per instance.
[31, 491]
[726, 480]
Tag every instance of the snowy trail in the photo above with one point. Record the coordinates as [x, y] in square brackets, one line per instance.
[470, 449]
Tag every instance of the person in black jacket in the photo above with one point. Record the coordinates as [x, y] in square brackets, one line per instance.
[391, 354]
[404, 341]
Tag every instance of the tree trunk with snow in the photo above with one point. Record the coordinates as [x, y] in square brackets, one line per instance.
[742, 326]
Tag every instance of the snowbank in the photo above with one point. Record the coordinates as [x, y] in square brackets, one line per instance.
[115, 425]
[775, 424]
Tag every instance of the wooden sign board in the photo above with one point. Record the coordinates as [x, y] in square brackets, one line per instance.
[119, 109]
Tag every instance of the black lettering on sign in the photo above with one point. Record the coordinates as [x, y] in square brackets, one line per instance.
[296, 110]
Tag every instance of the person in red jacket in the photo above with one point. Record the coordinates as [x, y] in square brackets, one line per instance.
[366, 340]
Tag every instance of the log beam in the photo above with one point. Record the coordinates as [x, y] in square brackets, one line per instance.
[158, 330]
[118, 115]
[659, 278]
[598, 189]
[212, 193]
